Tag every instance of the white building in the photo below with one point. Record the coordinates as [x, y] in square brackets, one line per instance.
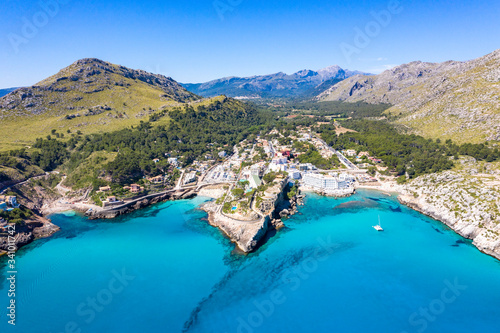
[111, 201]
[321, 182]
[254, 181]
[345, 177]
[255, 170]
[173, 161]
[294, 174]
[331, 183]
[277, 167]
[306, 166]
[280, 160]
[190, 177]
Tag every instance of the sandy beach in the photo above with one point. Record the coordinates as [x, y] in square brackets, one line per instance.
[61, 205]
[388, 187]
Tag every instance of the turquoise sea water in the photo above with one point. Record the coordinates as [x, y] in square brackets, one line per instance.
[164, 269]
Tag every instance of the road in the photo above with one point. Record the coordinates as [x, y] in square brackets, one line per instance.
[178, 186]
[350, 171]
[182, 188]
[27, 180]
[341, 157]
[271, 149]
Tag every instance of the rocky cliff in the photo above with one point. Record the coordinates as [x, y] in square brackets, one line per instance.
[457, 100]
[466, 199]
[31, 229]
[247, 234]
[139, 203]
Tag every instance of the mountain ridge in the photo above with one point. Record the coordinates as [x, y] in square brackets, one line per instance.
[90, 95]
[87, 77]
[6, 91]
[457, 100]
[298, 84]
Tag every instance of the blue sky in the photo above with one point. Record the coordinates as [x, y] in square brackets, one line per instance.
[196, 41]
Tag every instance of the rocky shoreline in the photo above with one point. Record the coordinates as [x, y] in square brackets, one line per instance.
[480, 242]
[430, 195]
[137, 204]
[463, 202]
[247, 235]
[34, 228]
[471, 221]
[38, 226]
[459, 199]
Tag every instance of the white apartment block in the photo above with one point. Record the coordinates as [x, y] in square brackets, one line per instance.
[324, 182]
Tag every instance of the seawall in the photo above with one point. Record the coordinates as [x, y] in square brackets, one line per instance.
[139, 203]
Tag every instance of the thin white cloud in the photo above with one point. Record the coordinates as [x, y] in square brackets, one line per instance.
[372, 59]
[380, 69]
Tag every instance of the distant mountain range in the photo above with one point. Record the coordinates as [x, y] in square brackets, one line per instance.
[457, 100]
[5, 91]
[305, 83]
[453, 99]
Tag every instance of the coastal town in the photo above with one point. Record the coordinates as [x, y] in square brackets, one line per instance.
[250, 167]
[247, 171]
[247, 183]
[254, 185]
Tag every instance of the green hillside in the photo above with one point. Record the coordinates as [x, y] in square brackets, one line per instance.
[126, 155]
[450, 100]
[90, 96]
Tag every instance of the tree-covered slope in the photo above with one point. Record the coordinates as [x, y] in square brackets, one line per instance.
[126, 155]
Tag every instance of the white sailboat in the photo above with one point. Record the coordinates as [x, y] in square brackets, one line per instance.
[378, 227]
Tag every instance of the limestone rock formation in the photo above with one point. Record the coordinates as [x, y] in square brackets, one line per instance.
[453, 99]
[466, 200]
